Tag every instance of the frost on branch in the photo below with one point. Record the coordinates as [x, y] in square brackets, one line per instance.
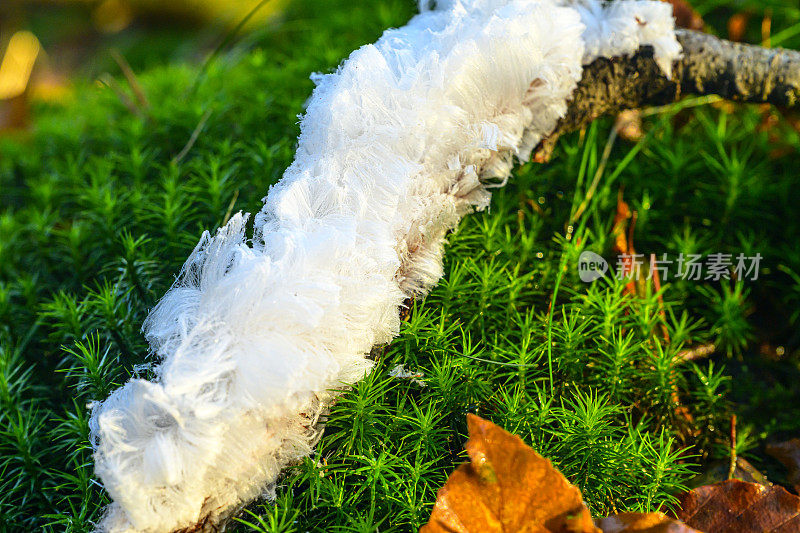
[407, 136]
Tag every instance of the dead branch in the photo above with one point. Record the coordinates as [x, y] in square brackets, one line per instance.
[710, 65]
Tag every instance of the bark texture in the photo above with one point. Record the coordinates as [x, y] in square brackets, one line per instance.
[710, 65]
[736, 71]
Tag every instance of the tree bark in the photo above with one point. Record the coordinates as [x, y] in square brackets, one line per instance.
[709, 65]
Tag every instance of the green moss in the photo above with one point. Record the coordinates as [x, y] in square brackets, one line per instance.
[97, 216]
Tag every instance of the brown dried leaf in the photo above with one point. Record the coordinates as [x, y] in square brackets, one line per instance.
[685, 15]
[737, 507]
[737, 26]
[788, 453]
[622, 230]
[642, 523]
[719, 470]
[619, 229]
[506, 487]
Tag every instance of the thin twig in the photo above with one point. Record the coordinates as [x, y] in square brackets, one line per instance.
[732, 467]
[229, 37]
[111, 83]
[133, 82]
[699, 352]
[659, 298]
[193, 138]
[230, 207]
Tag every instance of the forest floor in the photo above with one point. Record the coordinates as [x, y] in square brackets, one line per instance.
[630, 388]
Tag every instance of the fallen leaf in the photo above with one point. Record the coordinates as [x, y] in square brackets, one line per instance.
[507, 487]
[622, 231]
[737, 26]
[718, 471]
[642, 523]
[621, 217]
[685, 15]
[737, 507]
[788, 453]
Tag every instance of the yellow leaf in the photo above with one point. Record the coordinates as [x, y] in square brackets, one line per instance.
[507, 487]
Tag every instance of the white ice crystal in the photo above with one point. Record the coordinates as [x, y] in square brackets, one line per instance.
[400, 372]
[396, 145]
